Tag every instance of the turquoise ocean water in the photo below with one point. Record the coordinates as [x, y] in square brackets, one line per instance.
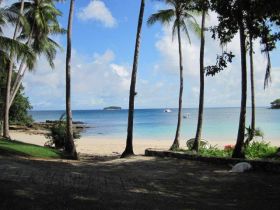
[219, 123]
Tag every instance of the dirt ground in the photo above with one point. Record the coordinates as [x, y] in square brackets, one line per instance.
[136, 183]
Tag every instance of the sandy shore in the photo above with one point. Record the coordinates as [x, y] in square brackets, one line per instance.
[97, 145]
[100, 145]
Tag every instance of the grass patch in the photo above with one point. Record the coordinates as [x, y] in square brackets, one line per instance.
[29, 150]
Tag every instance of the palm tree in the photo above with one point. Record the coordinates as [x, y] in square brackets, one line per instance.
[129, 140]
[182, 19]
[16, 49]
[201, 93]
[238, 151]
[38, 21]
[69, 144]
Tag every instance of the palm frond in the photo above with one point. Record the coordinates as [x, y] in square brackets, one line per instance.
[267, 79]
[185, 29]
[162, 16]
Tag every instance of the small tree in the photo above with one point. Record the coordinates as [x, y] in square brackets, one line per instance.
[58, 134]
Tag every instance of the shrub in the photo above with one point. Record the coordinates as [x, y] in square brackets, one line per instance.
[251, 134]
[255, 150]
[58, 135]
[213, 151]
[19, 110]
[262, 149]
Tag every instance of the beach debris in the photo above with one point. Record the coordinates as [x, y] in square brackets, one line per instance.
[167, 110]
[241, 167]
[203, 143]
[188, 115]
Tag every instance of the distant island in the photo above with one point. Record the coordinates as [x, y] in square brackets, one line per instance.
[275, 104]
[112, 108]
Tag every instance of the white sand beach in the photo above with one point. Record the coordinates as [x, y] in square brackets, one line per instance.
[97, 145]
[103, 146]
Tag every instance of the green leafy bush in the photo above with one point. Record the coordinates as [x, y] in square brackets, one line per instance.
[58, 135]
[257, 150]
[19, 110]
[214, 151]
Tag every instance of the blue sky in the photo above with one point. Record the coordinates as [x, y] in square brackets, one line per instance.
[103, 46]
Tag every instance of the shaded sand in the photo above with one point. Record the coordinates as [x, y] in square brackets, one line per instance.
[138, 183]
[100, 145]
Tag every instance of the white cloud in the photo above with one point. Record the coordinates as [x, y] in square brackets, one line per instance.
[96, 81]
[96, 10]
[120, 70]
[225, 88]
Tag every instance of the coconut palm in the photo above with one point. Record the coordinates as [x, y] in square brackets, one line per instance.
[14, 49]
[182, 19]
[69, 144]
[251, 55]
[129, 140]
[41, 19]
[201, 92]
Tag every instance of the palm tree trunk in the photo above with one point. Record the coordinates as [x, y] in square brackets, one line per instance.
[238, 151]
[6, 133]
[69, 144]
[175, 144]
[253, 123]
[17, 80]
[17, 85]
[21, 71]
[129, 140]
[201, 93]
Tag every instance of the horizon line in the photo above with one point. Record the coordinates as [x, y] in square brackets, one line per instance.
[101, 109]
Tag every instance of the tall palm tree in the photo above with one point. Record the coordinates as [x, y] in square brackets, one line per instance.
[14, 51]
[251, 55]
[238, 151]
[41, 17]
[69, 144]
[129, 140]
[201, 93]
[182, 19]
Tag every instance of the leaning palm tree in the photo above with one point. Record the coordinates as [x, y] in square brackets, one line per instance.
[69, 144]
[38, 20]
[16, 50]
[181, 18]
[129, 140]
[201, 93]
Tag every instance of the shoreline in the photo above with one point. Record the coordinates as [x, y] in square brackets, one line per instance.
[113, 145]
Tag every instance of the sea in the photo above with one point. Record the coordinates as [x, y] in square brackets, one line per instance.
[219, 123]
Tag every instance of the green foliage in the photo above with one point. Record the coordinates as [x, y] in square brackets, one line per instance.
[179, 14]
[255, 150]
[214, 151]
[221, 64]
[19, 110]
[58, 135]
[250, 134]
[42, 18]
[30, 150]
[20, 107]
[275, 104]
[259, 150]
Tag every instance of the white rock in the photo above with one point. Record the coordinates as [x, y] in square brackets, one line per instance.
[241, 167]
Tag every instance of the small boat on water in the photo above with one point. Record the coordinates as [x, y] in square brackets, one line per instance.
[186, 116]
[167, 110]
